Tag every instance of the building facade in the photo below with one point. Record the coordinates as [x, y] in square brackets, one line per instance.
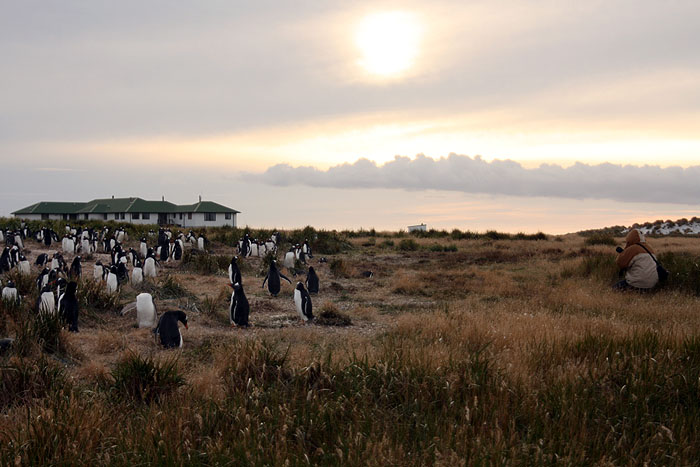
[134, 211]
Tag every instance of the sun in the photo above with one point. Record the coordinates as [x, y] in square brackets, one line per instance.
[388, 42]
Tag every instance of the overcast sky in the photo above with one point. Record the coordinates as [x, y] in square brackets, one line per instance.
[520, 115]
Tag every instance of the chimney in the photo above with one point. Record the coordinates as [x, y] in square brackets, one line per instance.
[112, 196]
[163, 197]
[200, 198]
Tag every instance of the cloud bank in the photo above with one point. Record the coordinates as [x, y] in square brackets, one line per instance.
[628, 183]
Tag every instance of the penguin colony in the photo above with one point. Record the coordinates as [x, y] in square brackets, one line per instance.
[57, 283]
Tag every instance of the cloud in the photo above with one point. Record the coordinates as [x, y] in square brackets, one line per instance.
[628, 183]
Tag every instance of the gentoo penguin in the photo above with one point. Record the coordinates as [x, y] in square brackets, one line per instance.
[85, 246]
[46, 302]
[137, 273]
[60, 285]
[122, 272]
[99, 271]
[112, 282]
[254, 249]
[10, 294]
[177, 251]
[24, 267]
[76, 269]
[146, 313]
[239, 308]
[68, 306]
[42, 279]
[149, 267]
[168, 330]
[143, 247]
[14, 255]
[273, 279]
[367, 274]
[302, 300]
[201, 241]
[41, 260]
[312, 282]
[234, 273]
[289, 258]
[5, 261]
[306, 249]
[69, 246]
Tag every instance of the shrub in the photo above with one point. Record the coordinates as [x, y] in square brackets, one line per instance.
[407, 244]
[144, 380]
[92, 295]
[331, 316]
[23, 379]
[684, 270]
[170, 287]
[204, 263]
[340, 268]
[387, 244]
[443, 248]
[601, 239]
[47, 330]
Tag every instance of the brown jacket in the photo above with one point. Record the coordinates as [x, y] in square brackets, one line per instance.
[641, 267]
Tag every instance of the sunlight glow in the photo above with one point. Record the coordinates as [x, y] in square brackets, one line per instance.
[389, 42]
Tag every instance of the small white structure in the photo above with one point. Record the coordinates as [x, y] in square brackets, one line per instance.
[417, 228]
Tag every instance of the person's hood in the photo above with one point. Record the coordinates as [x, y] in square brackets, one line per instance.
[634, 237]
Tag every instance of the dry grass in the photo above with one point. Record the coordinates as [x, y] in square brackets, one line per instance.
[506, 351]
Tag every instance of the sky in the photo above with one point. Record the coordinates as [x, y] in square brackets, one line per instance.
[511, 115]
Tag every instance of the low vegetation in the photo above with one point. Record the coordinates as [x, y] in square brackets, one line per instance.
[462, 349]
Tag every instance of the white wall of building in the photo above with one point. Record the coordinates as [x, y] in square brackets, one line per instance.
[198, 220]
[183, 220]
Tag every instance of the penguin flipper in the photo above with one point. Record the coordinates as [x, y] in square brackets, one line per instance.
[285, 278]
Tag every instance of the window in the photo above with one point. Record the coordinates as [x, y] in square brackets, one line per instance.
[74, 217]
[105, 216]
[146, 215]
[209, 216]
[189, 216]
[44, 217]
[228, 216]
[65, 217]
[116, 215]
[122, 215]
[180, 216]
[86, 216]
[135, 216]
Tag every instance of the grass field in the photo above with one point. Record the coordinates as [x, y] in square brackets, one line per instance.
[461, 350]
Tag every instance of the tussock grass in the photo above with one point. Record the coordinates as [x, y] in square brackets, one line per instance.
[600, 239]
[204, 263]
[330, 315]
[143, 379]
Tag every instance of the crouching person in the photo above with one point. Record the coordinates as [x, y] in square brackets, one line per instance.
[636, 260]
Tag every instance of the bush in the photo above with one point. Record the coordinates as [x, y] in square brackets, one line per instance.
[144, 380]
[340, 268]
[23, 379]
[170, 287]
[92, 295]
[407, 244]
[204, 263]
[387, 244]
[600, 239]
[331, 316]
[443, 248]
[684, 270]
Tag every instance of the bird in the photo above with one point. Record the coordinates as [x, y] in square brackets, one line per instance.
[167, 328]
[302, 300]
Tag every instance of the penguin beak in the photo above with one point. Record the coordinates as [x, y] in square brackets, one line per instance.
[186, 326]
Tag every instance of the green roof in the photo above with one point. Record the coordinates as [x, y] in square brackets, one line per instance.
[50, 207]
[205, 206]
[112, 205]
